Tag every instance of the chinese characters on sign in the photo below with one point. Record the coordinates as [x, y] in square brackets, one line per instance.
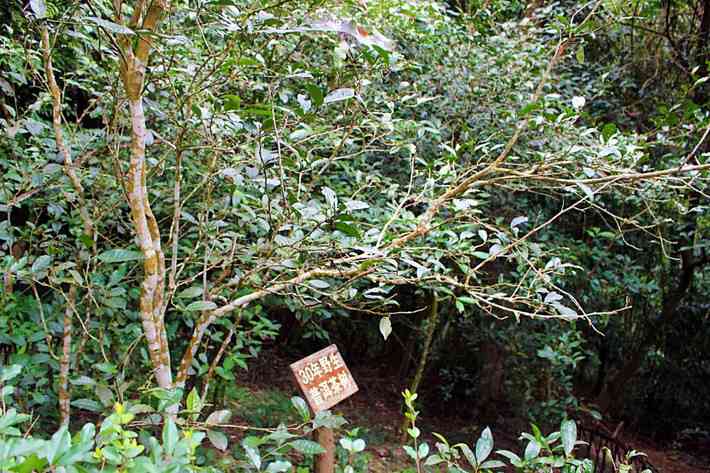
[324, 378]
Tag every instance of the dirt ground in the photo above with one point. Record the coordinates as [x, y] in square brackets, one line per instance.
[377, 408]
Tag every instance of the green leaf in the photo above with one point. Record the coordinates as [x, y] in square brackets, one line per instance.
[316, 94]
[87, 405]
[609, 130]
[509, 455]
[104, 394]
[348, 229]
[493, 464]
[346, 443]
[468, 453]
[279, 467]
[110, 26]
[193, 402]
[579, 54]
[219, 417]
[119, 256]
[532, 450]
[339, 94]
[410, 451]
[319, 284]
[301, 407]
[32, 464]
[232, 102]
[253, 455]
[307, 447]
[58, 445]
[327, 419]
[41, 263]
[358, 445]
[467, 300]
[385, 327]
[568, 431]
[9, 372]
[201, 305]
[38, 8]
[218, 439]
[170, 435]
[484, 445]
[190, 292]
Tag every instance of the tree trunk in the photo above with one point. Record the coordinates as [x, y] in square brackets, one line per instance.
[134, 60]
[325, 463]
[491, 379]
[70, 171]
[611, 397]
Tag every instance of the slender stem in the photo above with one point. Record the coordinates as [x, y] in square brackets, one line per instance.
[432, 322]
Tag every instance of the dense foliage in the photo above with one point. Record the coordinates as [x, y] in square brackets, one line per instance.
[514, 192]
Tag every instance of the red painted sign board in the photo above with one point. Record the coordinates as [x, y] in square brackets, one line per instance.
[324, 379]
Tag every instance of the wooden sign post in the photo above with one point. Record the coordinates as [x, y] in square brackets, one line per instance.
[325, 381]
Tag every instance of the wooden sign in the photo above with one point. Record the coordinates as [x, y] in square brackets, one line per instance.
[324, 378]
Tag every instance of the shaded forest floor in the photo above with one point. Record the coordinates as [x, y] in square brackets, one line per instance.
[262, 399]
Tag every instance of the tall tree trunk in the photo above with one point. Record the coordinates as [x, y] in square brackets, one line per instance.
[134, 60]
[70, 171]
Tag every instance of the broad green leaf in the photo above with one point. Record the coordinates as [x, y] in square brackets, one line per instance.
[279, 467]
[346, 443]
[358, 445]
[193, 402]
[232, 102]
[190, 292]
[110, 26]
[509, 455]
[339, 94]
[218, 439]
[39, 8]
[87, 404]
[568, 430]
[9, 372]
[119, 256]
[219, 417]
[201, 305]
[41, 263]
[468, 453]
[579, 54]
[308, 447]
[58, 445]
[385, 327]
[253, 455]
[532, 450]
[32, 464]
[484, 445]
[316, 94]
[301, 407]
[170, 435]
[319, 284]
[423, 450]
